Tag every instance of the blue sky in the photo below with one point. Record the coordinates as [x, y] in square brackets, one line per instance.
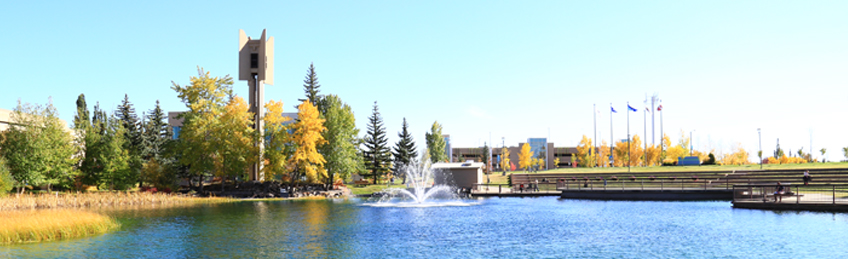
[505, 69]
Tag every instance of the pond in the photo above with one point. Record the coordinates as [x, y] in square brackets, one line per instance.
[493, 228]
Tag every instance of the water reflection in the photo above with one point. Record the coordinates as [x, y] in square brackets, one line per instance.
[540, 227]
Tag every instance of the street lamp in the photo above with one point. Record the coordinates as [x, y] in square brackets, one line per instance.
[691, 146]
[760, 135]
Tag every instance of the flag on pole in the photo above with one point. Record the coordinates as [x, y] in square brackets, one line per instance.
[613, 109]
[659, 108]
[631, 108]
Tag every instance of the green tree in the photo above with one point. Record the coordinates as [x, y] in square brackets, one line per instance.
[376, 149]
[485, 156]
[116, 172]
[156, 134]
[205, 99]
[82, 112]
[311, 85]
[823, 150]
[436, 144]
[125, 113]
[845, 152]
[234, 139]
[340, 150]
[38, 148]
[7, 182]
[404, 151]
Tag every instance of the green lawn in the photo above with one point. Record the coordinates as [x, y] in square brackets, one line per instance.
[496, 177]
[369, 189]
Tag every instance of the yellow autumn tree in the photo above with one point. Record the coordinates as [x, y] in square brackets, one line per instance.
[235, 139]
[636, 151]
[505, 159]
[653, 155]
[619, 155]
[738, 157]
[603, 154]
[525, 157]
[276, 138]
[585, 156]
[306, 137]
[556, 163]
[680, 150]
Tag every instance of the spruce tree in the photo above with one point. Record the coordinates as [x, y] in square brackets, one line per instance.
[156, 133]
[125, 114]
[311, 85]
[376, 153]
[129, 120]
[82, 112]
[404, 151]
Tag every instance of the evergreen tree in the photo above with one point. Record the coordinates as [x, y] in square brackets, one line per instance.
[485, 157]
[404, 151]
[340, 150]
[130, 121]
[115, 161]
[125, 113]
[436, 144]
[311, 85]
[82, 111]
[155, 134]
[376, 153]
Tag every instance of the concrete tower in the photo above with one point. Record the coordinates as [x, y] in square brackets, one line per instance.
[256, 66]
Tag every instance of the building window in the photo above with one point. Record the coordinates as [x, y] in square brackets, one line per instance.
[176, 132]
[254, 60]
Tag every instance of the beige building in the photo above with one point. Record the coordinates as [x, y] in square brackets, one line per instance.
[563, 153]
[459, 175]
[5, 119]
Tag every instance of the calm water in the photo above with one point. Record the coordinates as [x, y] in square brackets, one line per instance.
[496, 228]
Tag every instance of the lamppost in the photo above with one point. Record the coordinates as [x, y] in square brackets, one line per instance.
[691, 146]
[760, 135]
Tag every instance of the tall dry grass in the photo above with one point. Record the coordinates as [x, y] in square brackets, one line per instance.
[45, 225]
[95, 200]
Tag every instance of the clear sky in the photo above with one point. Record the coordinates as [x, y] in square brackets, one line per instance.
[484, 69]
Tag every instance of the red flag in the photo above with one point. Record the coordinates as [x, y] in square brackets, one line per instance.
[659, 108]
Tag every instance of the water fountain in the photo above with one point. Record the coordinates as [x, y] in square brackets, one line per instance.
[421, 192]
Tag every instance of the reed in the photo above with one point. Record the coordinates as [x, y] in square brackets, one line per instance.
[23, 226]
[96, 200]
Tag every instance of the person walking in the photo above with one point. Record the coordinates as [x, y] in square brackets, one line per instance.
[807, 177]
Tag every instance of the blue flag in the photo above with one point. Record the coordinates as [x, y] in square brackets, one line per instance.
[613, 109]
[631, 108]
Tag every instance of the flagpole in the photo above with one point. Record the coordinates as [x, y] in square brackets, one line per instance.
[611, 139]
[628, 137]
[595, 130]
[662, 137]
[645, 124]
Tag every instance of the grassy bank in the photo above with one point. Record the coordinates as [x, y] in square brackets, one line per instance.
[497, 178]
[369, 189]
[96, 200]
[23, 226]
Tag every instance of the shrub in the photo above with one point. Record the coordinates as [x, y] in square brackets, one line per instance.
[6, 180]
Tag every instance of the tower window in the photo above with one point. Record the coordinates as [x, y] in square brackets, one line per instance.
[254, 60]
